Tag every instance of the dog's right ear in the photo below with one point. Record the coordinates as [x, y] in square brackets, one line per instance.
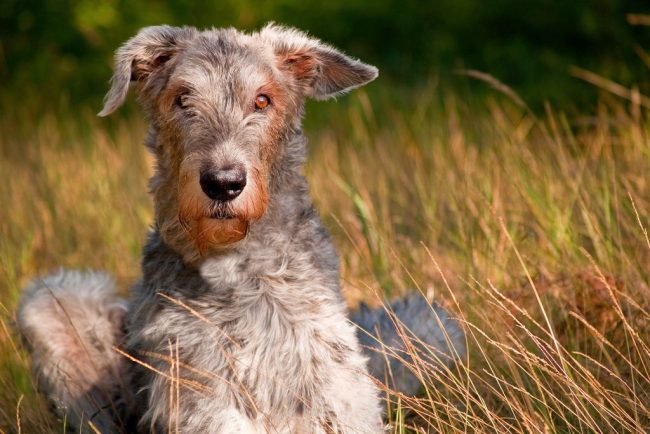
[320, 70]
[141, 58]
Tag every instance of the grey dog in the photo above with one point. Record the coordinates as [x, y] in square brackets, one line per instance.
[238, 324]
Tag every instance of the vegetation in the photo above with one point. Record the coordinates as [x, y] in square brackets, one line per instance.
[530, 225]
[532, 230]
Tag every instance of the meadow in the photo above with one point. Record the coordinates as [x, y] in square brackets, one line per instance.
[532, 228]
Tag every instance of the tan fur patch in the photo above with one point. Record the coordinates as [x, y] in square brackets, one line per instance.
[209, 232]
[270, 144]
[255, 197]
[301, 65]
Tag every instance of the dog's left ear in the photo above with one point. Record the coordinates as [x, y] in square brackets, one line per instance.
[320, 71]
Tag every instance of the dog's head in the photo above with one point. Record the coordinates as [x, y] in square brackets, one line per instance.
[221, 105]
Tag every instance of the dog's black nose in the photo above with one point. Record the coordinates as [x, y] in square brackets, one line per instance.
[223, 184]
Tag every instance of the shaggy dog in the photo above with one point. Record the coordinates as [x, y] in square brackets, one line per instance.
[238, 324]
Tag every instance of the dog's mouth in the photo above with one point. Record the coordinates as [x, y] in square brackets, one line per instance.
[219, 215]
[221, 211]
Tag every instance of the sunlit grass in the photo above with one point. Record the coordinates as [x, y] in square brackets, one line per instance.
[531, 229]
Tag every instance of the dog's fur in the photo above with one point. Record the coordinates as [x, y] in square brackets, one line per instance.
[237, 324]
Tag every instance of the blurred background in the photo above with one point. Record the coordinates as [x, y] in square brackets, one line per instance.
[500, 164]
[61, 50]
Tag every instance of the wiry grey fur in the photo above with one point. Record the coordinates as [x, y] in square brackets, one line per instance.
[237, 325]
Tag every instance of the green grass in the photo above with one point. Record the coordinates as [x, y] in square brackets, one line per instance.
[532, 230]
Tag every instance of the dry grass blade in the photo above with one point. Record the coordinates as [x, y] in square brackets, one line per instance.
[18, 418]
[610, 86]
[496, 84]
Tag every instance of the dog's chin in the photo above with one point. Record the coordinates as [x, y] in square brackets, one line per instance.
[210, 233]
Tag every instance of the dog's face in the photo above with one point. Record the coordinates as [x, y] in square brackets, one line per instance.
[222, 103]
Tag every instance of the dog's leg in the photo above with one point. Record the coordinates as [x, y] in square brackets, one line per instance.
[71, 322]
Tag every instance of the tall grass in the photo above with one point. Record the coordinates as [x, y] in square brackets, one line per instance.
[531, 229]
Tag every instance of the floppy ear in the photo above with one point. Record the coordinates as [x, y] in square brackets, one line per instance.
[320, 70]
[141, 57]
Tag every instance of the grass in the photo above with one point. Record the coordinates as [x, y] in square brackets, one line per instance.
[531, 229]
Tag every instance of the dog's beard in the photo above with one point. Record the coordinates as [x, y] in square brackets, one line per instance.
[207, 232]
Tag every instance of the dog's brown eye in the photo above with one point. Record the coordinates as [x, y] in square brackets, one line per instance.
[181, 99]
[262, 102]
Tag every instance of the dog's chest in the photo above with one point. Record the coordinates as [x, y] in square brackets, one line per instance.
[280, 337]
[278, 328]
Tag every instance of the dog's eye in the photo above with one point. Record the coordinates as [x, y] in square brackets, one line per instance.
[181, 99]
[262, 102]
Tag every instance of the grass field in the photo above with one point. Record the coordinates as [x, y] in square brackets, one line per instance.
[532, 229]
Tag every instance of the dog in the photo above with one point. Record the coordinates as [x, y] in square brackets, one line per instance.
[237, 324]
